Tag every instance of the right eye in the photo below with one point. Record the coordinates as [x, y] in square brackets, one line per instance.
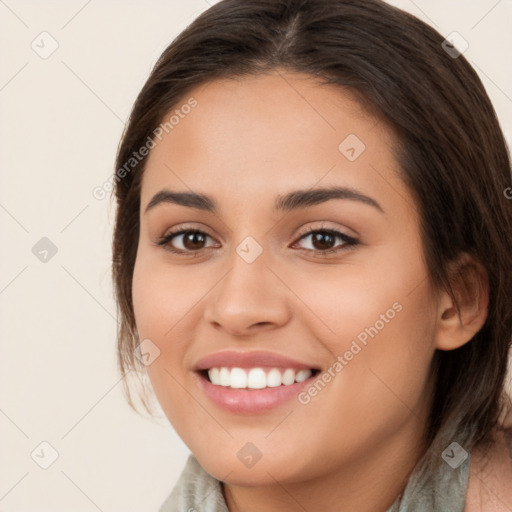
[191, 240]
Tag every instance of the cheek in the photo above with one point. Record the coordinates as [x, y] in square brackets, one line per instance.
[165, 303]
[393, 347]
[382, 348]
[379, 319]
[162, 297]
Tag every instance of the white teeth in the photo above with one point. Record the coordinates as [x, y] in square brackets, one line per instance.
[256, 378]
[274, 378]
[224, 377]
[302, 375]
[238, 378]
[214, 374]
[288, 377]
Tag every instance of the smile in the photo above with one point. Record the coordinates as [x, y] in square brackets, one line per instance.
[255, 390]
[256, 378]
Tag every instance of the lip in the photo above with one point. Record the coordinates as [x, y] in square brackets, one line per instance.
[250, 401]
[250, 359]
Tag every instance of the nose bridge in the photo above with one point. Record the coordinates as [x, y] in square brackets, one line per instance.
[249, 293]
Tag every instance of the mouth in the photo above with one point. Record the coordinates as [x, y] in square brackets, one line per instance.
[256, 378]
[256, 390]
[252, 382]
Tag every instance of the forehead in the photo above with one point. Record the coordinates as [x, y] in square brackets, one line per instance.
[269, 133]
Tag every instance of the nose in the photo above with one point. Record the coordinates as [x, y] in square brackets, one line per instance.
[249, 298]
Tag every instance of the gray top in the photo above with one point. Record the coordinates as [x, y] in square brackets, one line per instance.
[198, 491]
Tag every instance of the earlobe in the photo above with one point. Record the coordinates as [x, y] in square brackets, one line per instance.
[470, 285]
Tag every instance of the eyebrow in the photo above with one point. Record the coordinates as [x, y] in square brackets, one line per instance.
[284, 203]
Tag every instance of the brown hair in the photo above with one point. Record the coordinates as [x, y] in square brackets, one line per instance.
[451, 152]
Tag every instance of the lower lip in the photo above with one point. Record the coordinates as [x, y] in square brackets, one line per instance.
[250, 401]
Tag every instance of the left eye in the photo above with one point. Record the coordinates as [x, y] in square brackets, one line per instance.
[322, 237]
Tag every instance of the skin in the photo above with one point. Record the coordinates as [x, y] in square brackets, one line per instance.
[261, 137]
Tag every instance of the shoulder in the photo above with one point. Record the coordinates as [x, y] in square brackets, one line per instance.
[490, 476]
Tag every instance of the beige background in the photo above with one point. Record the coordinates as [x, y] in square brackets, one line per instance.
[61, 120]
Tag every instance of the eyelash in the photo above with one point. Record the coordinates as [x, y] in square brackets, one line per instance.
[349, 242]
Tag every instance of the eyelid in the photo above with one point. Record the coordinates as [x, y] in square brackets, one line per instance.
[186, 227]
[325, 227]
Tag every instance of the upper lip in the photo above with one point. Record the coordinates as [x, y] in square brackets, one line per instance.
[249, 359]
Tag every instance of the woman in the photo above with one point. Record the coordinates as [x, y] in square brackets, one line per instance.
[312, 261]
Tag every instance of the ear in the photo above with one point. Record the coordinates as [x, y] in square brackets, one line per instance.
[470, 285]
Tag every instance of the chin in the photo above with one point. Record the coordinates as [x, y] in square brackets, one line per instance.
[265, 471]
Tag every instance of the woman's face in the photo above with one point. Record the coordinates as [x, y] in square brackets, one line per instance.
[258, 293]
